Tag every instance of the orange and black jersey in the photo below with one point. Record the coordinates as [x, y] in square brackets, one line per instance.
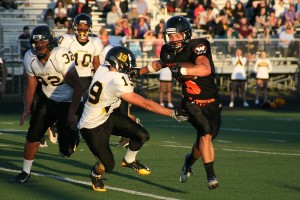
[201, 87]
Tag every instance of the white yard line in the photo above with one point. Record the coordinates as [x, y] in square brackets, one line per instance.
[241, 150]
[70, 180]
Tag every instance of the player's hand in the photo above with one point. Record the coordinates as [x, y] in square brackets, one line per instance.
[176, 70]
[72, 122]
[180, 115]
[134, 73]
[24, 116]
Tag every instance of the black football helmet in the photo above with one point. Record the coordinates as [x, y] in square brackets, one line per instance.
[42, 33]
[177, 24]
[120, 58]
[82, 18]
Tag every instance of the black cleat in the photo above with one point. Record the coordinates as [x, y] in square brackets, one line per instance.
[137, 166]
[23, 177]
[186, 171]
[97, 183]
[212, 183]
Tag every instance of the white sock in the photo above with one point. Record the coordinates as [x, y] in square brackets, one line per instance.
[130, 155]
[27, 164]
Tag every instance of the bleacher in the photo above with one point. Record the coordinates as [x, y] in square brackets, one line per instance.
[284, 75]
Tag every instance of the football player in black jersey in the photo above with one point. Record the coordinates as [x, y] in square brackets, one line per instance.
[191, 63]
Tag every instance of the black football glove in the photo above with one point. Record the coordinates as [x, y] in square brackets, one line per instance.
[176, 73]
[134, 73]
[180, 115]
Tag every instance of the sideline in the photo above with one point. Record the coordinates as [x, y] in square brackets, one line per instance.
[70, 180]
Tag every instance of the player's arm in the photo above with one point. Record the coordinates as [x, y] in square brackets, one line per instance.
[200, 68]
[153, 67]
[29, 90]
[96, 62]
[152, 106]
[73, 80]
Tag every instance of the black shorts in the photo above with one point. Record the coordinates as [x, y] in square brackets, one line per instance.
[205, 119]
[44, 115]
[97, 138]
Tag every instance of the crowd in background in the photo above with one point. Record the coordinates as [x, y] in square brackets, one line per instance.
[248, 20]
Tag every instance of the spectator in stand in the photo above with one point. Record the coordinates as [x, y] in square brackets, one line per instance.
[60, 15]
[141, 27]
[291, 15]
[238, 78]
[232, 35]
[159, 28]
[102, 5]
[149, 43]
[286, 36]
[122, 6]
[80, 7]
[216, 11]
[104, 37]
[206, 20]
[297, 7]
[113, 17]
[205, 3]
[49, 17]
[188, 7]
[158, 44]
[165, 80]
[227, 10]
[262, 68]
[24, 40]
[142, 7]
[220, 32]
[3, 76]
[262, 24]
[243, 27]
[274, 24]
[279, 9]
[238, 12]
[126, 28]
[251, 46]
[133, 15]
[197, 12]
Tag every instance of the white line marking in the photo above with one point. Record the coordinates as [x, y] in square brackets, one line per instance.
[65, 179]
[272, 140]
[256, 131]
[263, 152]
[239, 150]
[223, 141]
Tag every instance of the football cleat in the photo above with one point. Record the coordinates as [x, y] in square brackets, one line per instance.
[23, 177]
[137, 166]
[97, 183]
[212, 183]
[186, 171]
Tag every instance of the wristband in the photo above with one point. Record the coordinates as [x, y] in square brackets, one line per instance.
[150, 68]
[183, 71]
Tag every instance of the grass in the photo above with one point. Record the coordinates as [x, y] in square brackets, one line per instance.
[257, 157]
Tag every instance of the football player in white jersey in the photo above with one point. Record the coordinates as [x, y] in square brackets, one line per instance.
[98, 121]
[85, 48]
[62, 91]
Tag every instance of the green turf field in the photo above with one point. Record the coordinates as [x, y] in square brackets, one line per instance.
[257, 157]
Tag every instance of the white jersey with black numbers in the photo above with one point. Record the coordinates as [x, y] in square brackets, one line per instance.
[104, 96]
[83, 53]
[52, 73]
